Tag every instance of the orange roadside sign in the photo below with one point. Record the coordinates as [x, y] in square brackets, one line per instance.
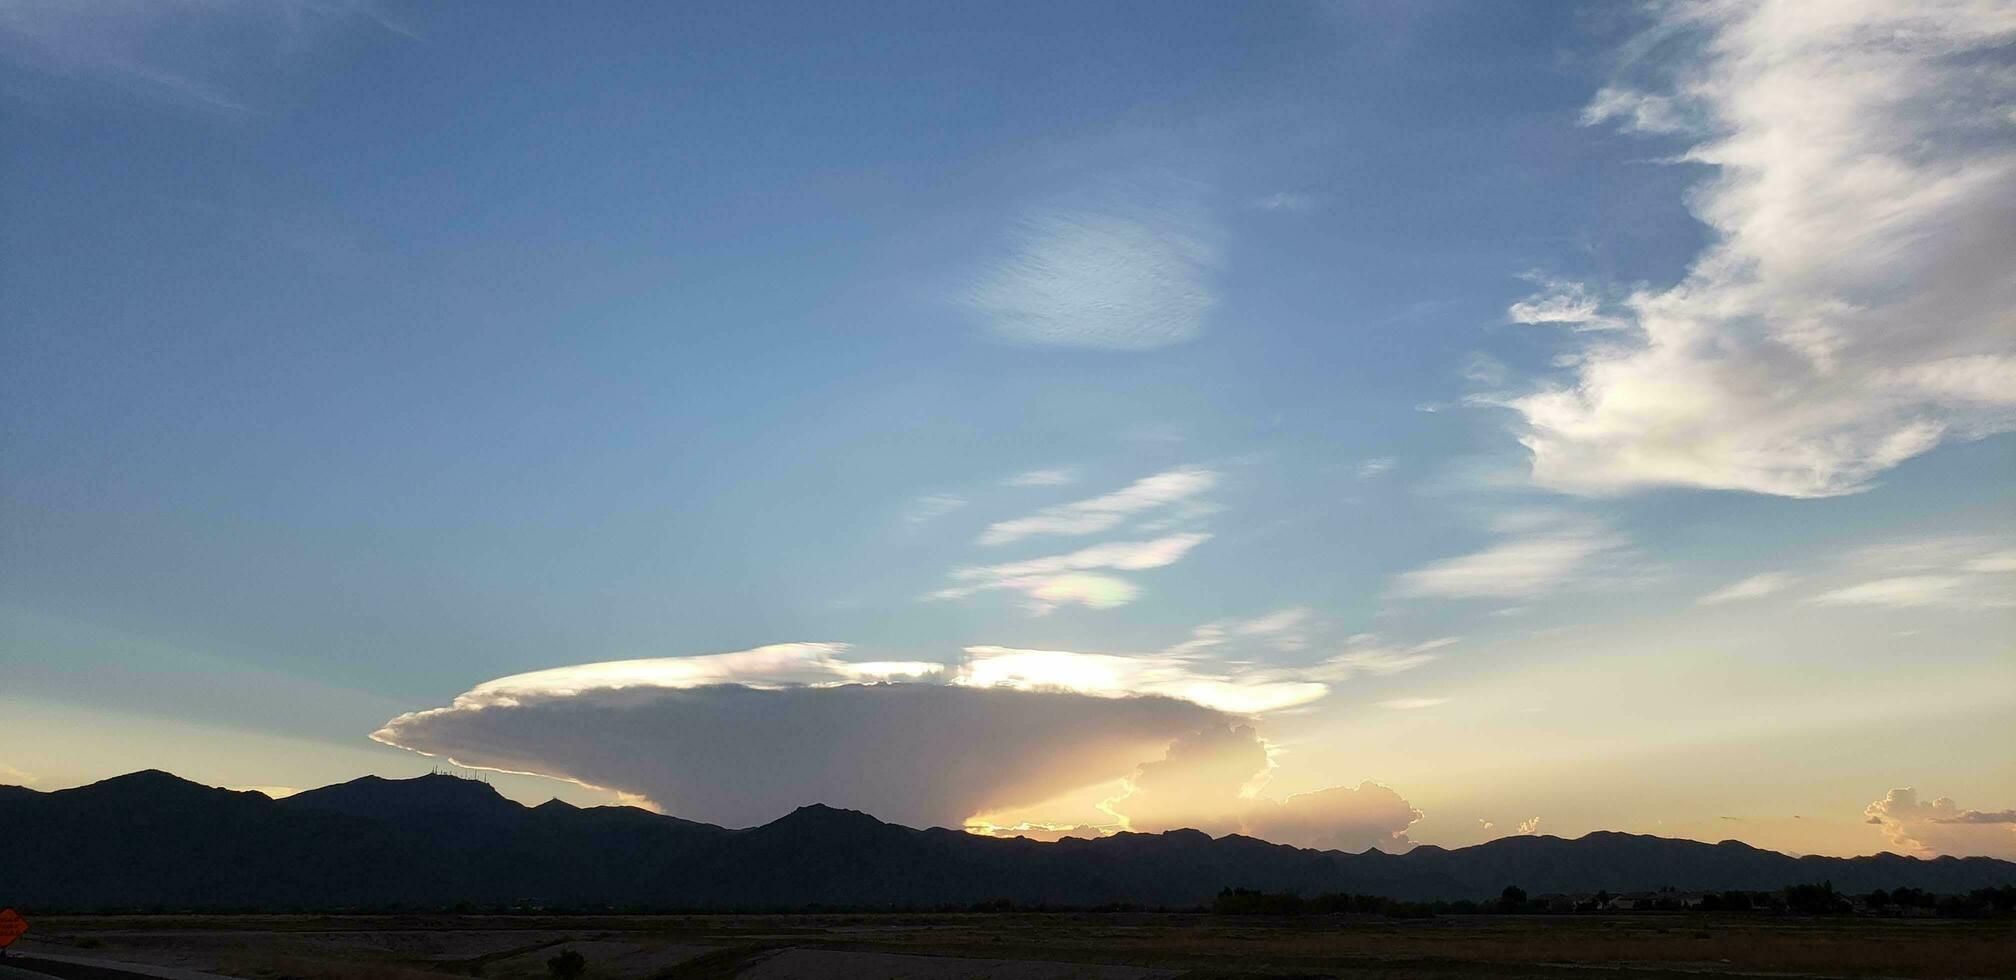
[12, 925]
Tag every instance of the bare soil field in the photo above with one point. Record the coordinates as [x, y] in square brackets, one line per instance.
[1033, 946]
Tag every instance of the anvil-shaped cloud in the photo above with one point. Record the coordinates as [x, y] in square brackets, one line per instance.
[740, 738]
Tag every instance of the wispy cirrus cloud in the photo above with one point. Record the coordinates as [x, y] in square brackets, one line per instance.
[1076, 577]
[1755, 587]
[1042, 478]
[1919, 591]
[209, 56]
[1964, 573]
[1541, 553]
[931, 507]
[1365, 653]
[1854, 310]
[1107, 511]
[1563, 302]
[1131, 272]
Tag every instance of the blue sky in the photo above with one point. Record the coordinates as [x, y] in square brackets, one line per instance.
[1377, 368]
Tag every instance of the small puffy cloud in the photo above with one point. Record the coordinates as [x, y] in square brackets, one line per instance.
[1108, 277]
[1374, 467]
[1754, 587]
[1530, 825]
[1105, 512]
[744, 737]
[1943, 827]
[1542, 553]
[1042, 478]
[1210, 780]
[1854, 309]
[1075, 578]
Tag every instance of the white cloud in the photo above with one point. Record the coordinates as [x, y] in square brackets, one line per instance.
[1042, 478]
[930, 507]
[10, 776]
[742, 738]
[1529, 825]
[1107, 511]
[1286, 629]
[1211, 780]
[1063, 579]
[1112, 675]
[1543, 553]
[1636, 110]
[1953, 573]
[1754, 587]
[1942, 827]
[1376, 466]
[1916, 591]
[1562, 302]
[1365, 654]
[1856, 308]
[1114, 277]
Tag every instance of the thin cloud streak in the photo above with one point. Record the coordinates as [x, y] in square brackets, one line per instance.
[1105, 512]
[1754, 587]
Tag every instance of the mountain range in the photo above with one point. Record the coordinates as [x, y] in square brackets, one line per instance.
[151, 839]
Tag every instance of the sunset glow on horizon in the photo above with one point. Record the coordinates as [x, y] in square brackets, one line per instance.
[1348, 425]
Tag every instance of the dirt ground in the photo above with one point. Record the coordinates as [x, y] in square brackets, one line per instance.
[1038, 946]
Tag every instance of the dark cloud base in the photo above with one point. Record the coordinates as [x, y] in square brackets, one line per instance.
[912, 753]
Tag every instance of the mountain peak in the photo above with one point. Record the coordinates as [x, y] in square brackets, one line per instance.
[434, 796]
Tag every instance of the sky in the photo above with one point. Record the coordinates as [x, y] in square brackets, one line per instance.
[1353, 425]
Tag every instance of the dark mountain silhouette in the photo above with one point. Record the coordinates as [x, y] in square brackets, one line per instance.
[152, 839]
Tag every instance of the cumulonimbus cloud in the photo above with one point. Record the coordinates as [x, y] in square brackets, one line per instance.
[740, 738]
[743, 738]
[1941, 826]
[1857, 307]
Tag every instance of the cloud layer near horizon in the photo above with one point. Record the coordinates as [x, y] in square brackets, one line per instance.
[741, 738]
[739, 755]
